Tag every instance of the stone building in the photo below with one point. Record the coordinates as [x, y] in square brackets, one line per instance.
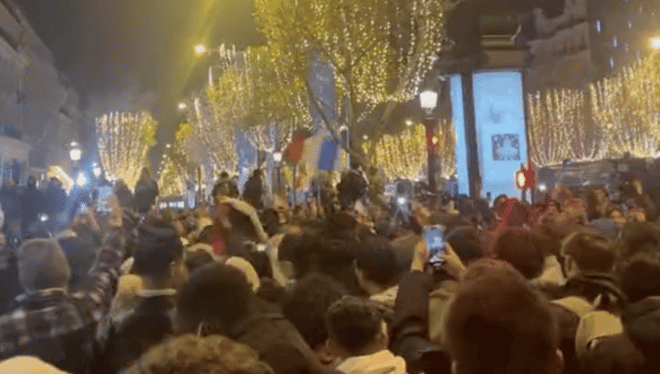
[40, 112]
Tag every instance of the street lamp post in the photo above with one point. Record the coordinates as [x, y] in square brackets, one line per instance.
[277, 157]
[75, 153]
[429, 100]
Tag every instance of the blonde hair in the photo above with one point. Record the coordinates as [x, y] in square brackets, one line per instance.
[190, 354]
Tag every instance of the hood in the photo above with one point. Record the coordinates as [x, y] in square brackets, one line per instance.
[641, 320]
[383, 362]
[590, 285]
[386, 298]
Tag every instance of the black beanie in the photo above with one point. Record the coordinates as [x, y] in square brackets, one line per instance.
[157, 246]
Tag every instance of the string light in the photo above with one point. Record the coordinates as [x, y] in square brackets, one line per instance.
[624, 118]
[376, 59]
[124, 140]
[404, 155]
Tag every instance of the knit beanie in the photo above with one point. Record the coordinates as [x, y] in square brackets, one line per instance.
[42, 265]
[158, 245]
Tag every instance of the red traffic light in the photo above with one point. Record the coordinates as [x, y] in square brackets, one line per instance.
[521, 179]
[525, 179]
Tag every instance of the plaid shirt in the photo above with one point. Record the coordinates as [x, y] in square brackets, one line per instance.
[51, 321]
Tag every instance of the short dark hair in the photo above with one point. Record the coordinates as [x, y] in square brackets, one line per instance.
[206, 235]
[197, 259]
[497, 323]
[377, 261]
[641, 277]
[215, 297]
[517, 247]
[353, 323]
[591, 252]
[639, 237]
[157, 246]
[192, 354]
[466, 243]
[308, 303]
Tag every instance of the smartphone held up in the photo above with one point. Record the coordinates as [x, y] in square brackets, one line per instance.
[434, 236]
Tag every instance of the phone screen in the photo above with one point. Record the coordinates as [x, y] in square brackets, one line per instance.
[104, 200]
[434, 236]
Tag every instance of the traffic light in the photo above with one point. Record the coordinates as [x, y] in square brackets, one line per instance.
[525, 178]
[432, 139]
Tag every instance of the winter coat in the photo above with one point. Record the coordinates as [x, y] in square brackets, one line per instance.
[33, 202]
[633, 351]
[409, 336]
[151, 322]
[56, 199]
[438, 302]
[125, 196]
[11, 203]
[278, 344]
[146, 192]
[253, 192]
[383, 362]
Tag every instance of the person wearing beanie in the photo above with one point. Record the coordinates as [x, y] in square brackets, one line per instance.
[159, 262]
[48, 321]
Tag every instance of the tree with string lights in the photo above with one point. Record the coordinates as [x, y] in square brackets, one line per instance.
[124, 140]
[559, 128]
[404, 155]
[625, 107]
[379, 52]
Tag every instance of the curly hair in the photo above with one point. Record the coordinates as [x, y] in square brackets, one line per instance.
[216, 296]
[307, 304]
[353, 323]
[190, 354]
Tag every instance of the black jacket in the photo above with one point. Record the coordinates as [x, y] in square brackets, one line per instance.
[11, 203]
[149, 324]
[636, 350]
[146, 192]
[57, 199]
[278, 343]
[409, 337]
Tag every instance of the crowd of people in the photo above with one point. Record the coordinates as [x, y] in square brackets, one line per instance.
[568, 285]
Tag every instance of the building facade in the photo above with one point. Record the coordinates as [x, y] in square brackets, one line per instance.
[588, 39]
[40, 111]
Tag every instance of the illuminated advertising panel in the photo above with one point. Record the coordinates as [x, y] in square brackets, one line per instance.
[501, 134]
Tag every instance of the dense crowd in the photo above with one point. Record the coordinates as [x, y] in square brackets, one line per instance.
[340, 284]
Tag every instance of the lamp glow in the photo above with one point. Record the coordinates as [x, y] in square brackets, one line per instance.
[428, 100]
[75, 152]
[182, 106]
[409, 122]
[655, 43]
[81, 180]
[277, 156]
[97, 171]
[200, 49]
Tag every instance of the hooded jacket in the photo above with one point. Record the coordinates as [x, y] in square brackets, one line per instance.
[383, 362]
[633, 351]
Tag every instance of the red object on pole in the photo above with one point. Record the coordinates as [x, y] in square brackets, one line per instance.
[294, 150]
[525, 178]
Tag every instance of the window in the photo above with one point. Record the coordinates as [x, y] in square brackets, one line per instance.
[615, 42]
[611, 62]
[599, 26]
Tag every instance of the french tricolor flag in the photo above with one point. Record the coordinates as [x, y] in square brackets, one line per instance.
[321, 152]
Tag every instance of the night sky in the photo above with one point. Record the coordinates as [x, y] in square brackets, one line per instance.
[119, 52]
